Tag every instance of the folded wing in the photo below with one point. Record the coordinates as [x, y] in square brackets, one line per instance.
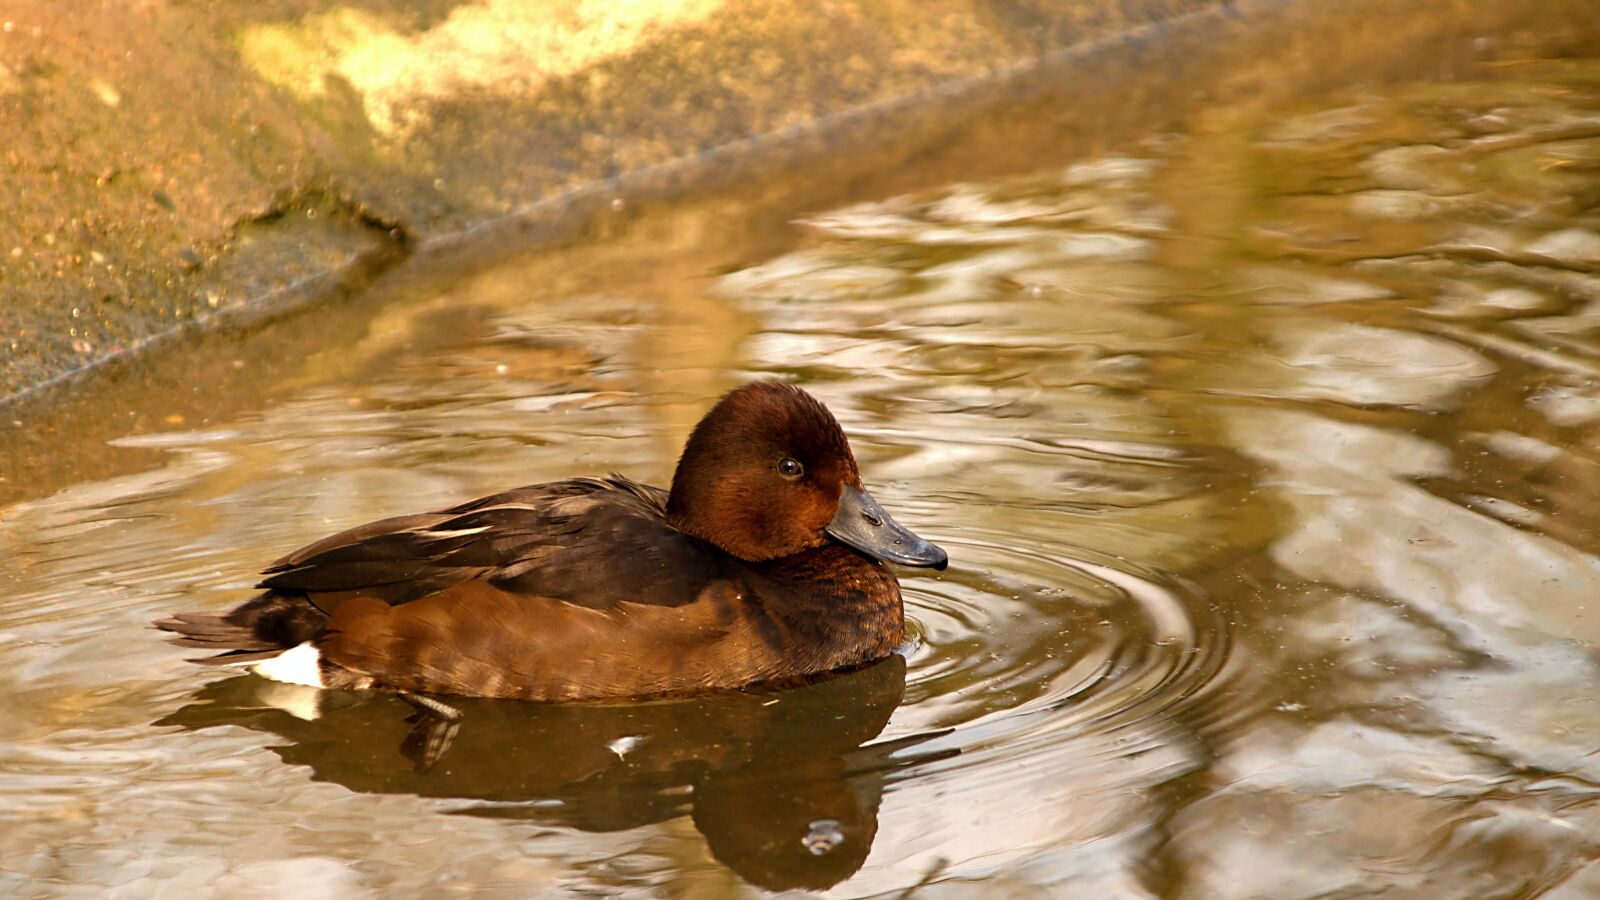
[592, 542]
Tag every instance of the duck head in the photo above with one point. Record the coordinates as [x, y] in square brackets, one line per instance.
[768, 473]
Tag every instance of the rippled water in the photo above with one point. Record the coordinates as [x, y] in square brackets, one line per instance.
[1267, 456]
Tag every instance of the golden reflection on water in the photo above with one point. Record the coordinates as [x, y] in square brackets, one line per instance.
[1266, 456]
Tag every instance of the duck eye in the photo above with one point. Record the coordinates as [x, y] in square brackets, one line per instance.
[790, 468]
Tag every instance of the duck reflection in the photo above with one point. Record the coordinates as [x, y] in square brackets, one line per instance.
[783, 784]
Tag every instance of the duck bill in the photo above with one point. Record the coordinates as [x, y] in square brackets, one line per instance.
[862, 524]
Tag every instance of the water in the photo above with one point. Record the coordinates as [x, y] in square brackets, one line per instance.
[1267, 456]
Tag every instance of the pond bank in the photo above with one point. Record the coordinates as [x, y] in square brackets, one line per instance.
[188, 171]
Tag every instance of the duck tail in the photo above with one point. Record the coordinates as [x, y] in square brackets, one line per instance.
[254, 631]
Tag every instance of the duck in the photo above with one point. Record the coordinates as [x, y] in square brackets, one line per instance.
[766, 562]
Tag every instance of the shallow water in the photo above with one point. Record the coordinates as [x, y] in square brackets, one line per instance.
[1267, 457]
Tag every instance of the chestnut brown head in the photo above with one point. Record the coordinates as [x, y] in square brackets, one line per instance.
[768, 473]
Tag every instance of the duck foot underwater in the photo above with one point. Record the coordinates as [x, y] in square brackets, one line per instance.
[434, 726]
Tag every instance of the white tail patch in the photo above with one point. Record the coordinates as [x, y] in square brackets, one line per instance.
[297, 665]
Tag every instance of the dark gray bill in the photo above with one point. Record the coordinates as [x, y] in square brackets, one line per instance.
[862, 523]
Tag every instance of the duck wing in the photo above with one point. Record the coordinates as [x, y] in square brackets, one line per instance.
[593, 542]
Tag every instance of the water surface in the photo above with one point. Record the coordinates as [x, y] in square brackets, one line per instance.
[1268, 460]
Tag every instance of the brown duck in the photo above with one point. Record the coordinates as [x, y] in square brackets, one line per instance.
[765, 562]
